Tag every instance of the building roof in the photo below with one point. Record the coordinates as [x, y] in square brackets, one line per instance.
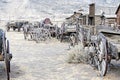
[76, 14]
[110, 16]
[117, 9]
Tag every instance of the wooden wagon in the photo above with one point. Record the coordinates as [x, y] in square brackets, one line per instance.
[68, 31]
[5, 53]
[102, 49]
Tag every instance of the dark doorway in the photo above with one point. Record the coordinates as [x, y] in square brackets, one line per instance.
[91, 21]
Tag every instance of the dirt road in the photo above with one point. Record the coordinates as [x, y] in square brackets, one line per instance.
[47, 61]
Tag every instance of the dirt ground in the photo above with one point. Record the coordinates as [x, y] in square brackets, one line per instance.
[47, 61]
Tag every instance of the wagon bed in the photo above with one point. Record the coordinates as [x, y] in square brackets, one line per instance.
[113, 37]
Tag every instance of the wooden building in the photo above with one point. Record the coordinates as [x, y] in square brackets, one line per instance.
[118, 15]
[73, 18]
[91, 17]
[95, 14]
[111, 20]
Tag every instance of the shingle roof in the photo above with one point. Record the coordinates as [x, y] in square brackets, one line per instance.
[117, 9]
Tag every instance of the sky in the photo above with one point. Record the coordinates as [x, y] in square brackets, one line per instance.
[51, 8]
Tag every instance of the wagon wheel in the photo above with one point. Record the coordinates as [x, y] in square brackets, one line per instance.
[18, 29]
[82, 40]
[38, 35]
[102, 65]
[47, 35]
[14, 28]
[72, 39]
[25, 35]
[35, 36]
[8, 28]
[92, 58]
[95, 61]
[7, 61]
[61, 37]
[6, 57]
[30, 34]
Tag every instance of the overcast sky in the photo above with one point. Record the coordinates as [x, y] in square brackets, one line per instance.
[51, 8]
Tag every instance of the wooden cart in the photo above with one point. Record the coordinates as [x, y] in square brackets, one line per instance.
[5, 52]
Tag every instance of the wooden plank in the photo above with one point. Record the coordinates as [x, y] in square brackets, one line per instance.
[109, 32]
